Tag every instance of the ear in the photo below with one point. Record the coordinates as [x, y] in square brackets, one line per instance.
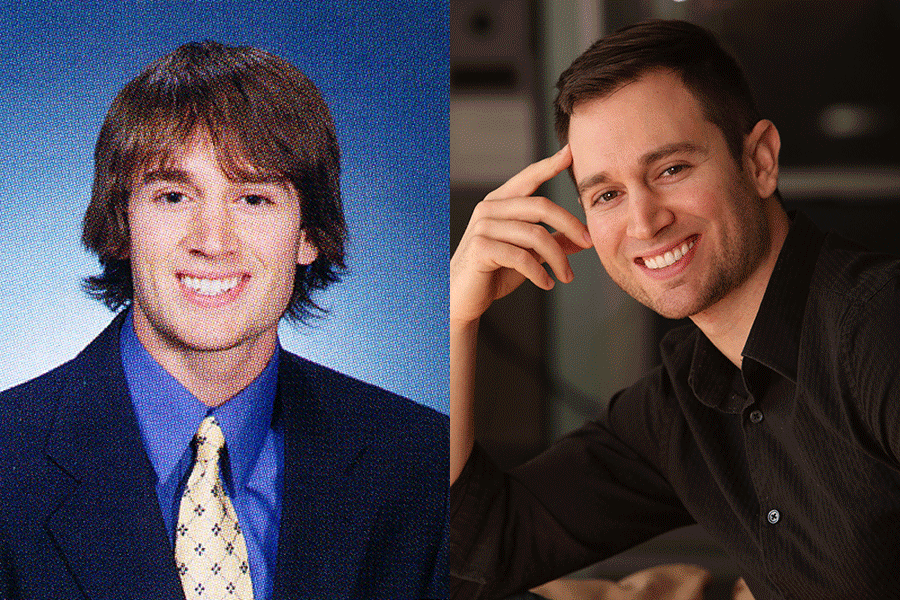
[761, 149]
[306, 251]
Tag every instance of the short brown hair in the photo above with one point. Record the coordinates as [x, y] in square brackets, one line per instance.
[707, 71]
[263, 116]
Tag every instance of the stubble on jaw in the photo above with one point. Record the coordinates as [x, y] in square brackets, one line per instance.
[740, 259]
[741, 262]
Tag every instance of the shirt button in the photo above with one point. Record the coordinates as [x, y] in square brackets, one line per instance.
[774, 516]
[756, 416]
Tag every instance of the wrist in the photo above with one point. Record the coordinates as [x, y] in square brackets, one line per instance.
[464, 326]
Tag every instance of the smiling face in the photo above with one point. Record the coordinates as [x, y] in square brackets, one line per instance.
[213, 259]
[677, 223]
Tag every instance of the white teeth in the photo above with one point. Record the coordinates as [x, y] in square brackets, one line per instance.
[210, 287]
[670, 257]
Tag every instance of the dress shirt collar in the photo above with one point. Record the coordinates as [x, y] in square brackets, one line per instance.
[169, 415]
[711, 376]
[774, 339]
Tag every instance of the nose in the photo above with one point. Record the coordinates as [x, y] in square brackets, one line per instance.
[212, 231]
[647, 215]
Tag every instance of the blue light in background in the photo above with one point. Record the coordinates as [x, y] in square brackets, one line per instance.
[384, 71]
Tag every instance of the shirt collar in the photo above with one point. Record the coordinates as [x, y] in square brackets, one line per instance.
[774, 339]
[169, 415]
[711, 377]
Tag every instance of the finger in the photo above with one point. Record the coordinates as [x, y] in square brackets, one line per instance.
[534, 210]
[495, 254]
[545, 246]
[568, 247]
[529, 179]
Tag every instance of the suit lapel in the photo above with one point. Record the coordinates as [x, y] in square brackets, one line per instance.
[107, 523]
[329, 496]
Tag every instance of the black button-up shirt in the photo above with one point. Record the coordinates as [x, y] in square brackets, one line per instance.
[790, 463]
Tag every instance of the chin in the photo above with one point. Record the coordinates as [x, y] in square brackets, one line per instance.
[205, 342]
[671, 311]
[673, 305]
[205, 336]
[694, 304]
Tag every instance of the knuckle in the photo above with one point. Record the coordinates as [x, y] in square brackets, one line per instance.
[479, 210]
[537, 232]
[479, 227]
[486, 208]
[519, 256]
[479, 244]
[544, 204]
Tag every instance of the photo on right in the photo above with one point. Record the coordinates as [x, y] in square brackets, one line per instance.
[711, 409]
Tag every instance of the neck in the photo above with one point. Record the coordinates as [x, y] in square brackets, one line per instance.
[212, 376]
[727, 323]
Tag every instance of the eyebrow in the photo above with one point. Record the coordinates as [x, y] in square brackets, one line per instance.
[168, 176]
[646, 160]
[182, 177]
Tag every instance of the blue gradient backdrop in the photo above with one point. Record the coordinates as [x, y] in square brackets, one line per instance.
[382, 67]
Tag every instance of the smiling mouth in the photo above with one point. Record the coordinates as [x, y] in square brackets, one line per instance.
[210, 287]
[670, 257]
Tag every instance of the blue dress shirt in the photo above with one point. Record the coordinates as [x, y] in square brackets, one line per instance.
[253, 468]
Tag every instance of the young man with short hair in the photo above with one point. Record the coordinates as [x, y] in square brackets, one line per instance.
[773, 419]
[183, 453]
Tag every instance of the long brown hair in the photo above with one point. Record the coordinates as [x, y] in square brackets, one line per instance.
[263, 116]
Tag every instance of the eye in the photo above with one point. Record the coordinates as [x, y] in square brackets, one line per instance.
[674, 170]
[255, 200]
[606, 197]
[172, 197]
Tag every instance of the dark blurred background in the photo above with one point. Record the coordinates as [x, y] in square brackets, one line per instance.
[825, 71]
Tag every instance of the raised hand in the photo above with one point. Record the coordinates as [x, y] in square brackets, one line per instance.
[504, 243]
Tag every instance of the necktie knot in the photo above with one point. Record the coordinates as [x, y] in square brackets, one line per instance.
[209, 439]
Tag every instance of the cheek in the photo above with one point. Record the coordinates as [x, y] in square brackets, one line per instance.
[604, 235]
[708, 198]
[275, 236]
[150, 234]
[280, 257]
[150, 251]
[141, 248]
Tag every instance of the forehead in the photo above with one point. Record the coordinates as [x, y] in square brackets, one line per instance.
[198, 155]
[617, 130]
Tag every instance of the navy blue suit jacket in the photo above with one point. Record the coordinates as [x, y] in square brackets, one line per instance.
[364, 503]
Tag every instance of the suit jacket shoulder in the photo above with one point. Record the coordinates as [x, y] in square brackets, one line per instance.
[348, 403]
[384, 455]
[80, 517]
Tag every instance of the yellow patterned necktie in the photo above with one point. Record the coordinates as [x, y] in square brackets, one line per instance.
[210, 551]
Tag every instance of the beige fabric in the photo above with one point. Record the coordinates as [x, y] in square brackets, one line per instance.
[666, 582]
[210, 551]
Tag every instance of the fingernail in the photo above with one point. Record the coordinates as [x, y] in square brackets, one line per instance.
[587, 238]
